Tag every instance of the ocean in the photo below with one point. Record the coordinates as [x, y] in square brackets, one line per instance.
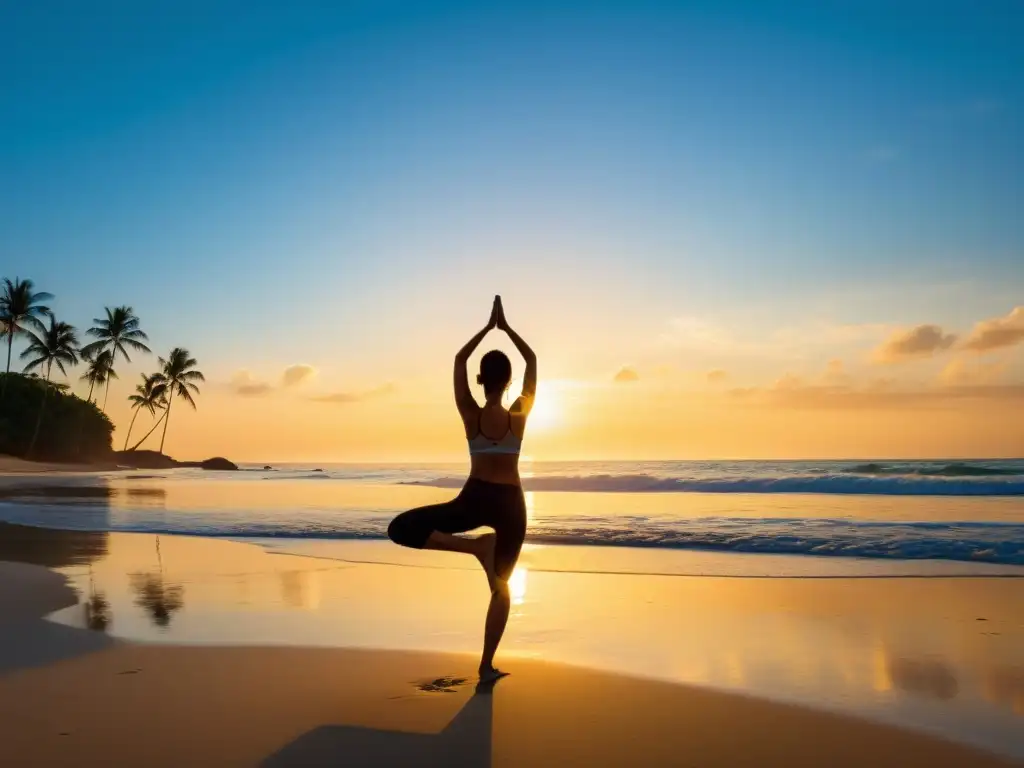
[831, 513]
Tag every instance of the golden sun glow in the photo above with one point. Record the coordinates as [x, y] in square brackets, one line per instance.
[547, 408]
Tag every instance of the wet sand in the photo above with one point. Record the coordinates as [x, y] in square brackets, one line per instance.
[72, 696]
[9, 465]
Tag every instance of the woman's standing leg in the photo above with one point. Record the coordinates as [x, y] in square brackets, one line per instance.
[494, 628]
[510, 524]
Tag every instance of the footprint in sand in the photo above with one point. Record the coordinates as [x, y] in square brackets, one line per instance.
[442, 684]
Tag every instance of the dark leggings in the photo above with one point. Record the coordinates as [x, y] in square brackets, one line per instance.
[480, 503]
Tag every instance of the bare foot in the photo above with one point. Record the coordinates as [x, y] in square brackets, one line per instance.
[485, 554]
[489, 675]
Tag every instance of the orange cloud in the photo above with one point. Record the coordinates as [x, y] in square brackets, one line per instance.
[835, 373]
[920, 341]
[998, 332]
[626, 375]
[245, 384]
[960, 373]
[296, 374]
[880, 394]
[717, 376]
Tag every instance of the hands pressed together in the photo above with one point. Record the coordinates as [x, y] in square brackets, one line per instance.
[497, 319]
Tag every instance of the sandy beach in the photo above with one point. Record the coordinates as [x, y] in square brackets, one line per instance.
[120, 703]
[160, 679]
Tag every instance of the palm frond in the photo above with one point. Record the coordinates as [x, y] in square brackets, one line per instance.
[56, 344]
[136, 345]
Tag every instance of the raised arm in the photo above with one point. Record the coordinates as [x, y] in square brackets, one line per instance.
[463, 395]
[525, 402]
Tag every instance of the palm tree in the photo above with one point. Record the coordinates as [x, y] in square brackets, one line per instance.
[56, 344]
[20, 310]
[99, 371]
[149, 395]
[178, 374]
[115, 333]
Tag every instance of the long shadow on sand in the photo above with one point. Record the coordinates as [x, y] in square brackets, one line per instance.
[465, 741]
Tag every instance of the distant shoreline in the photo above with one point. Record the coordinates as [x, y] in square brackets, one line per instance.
[9, 465]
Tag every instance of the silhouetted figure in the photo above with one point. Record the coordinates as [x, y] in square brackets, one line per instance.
[493, 495]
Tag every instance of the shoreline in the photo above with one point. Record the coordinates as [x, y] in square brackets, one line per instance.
[12, 466]
[124, 702]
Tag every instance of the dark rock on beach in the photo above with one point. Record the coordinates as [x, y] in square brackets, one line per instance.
[157, 460]
[219, 463]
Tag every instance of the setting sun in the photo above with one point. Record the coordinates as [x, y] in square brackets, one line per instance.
[547, 406]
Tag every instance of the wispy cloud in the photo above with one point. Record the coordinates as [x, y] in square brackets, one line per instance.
[835, 374]
[716, 376]
[344, 398]
[835, 389]
[997, 333]
[878, 394]
[245, 384]
[699, 335]
[961, 372]
[296, 374]
[920, 341]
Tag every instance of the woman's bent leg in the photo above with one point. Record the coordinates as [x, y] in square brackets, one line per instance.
[433, 526]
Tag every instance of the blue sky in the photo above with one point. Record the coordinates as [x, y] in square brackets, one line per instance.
[346, 184]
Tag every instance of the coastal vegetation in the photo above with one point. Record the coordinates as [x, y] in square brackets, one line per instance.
[44, 419]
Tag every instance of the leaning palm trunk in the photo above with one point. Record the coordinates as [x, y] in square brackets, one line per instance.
[151, 431]
[106, 394]
[130, 425]
[42, 410]
[167, 419]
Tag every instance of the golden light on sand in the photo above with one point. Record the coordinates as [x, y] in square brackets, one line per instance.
[517, 585]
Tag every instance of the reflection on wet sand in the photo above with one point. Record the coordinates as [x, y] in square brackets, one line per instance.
[300, 589]
[159, 598]
[146, 497]
[96, 490]
[1005, 687]
[51, 548]
[924, 677]
[98, 613]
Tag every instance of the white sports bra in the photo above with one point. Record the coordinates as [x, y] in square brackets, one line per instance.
[509, 443]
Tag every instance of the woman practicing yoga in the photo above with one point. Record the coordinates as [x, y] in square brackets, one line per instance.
[492, 496]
